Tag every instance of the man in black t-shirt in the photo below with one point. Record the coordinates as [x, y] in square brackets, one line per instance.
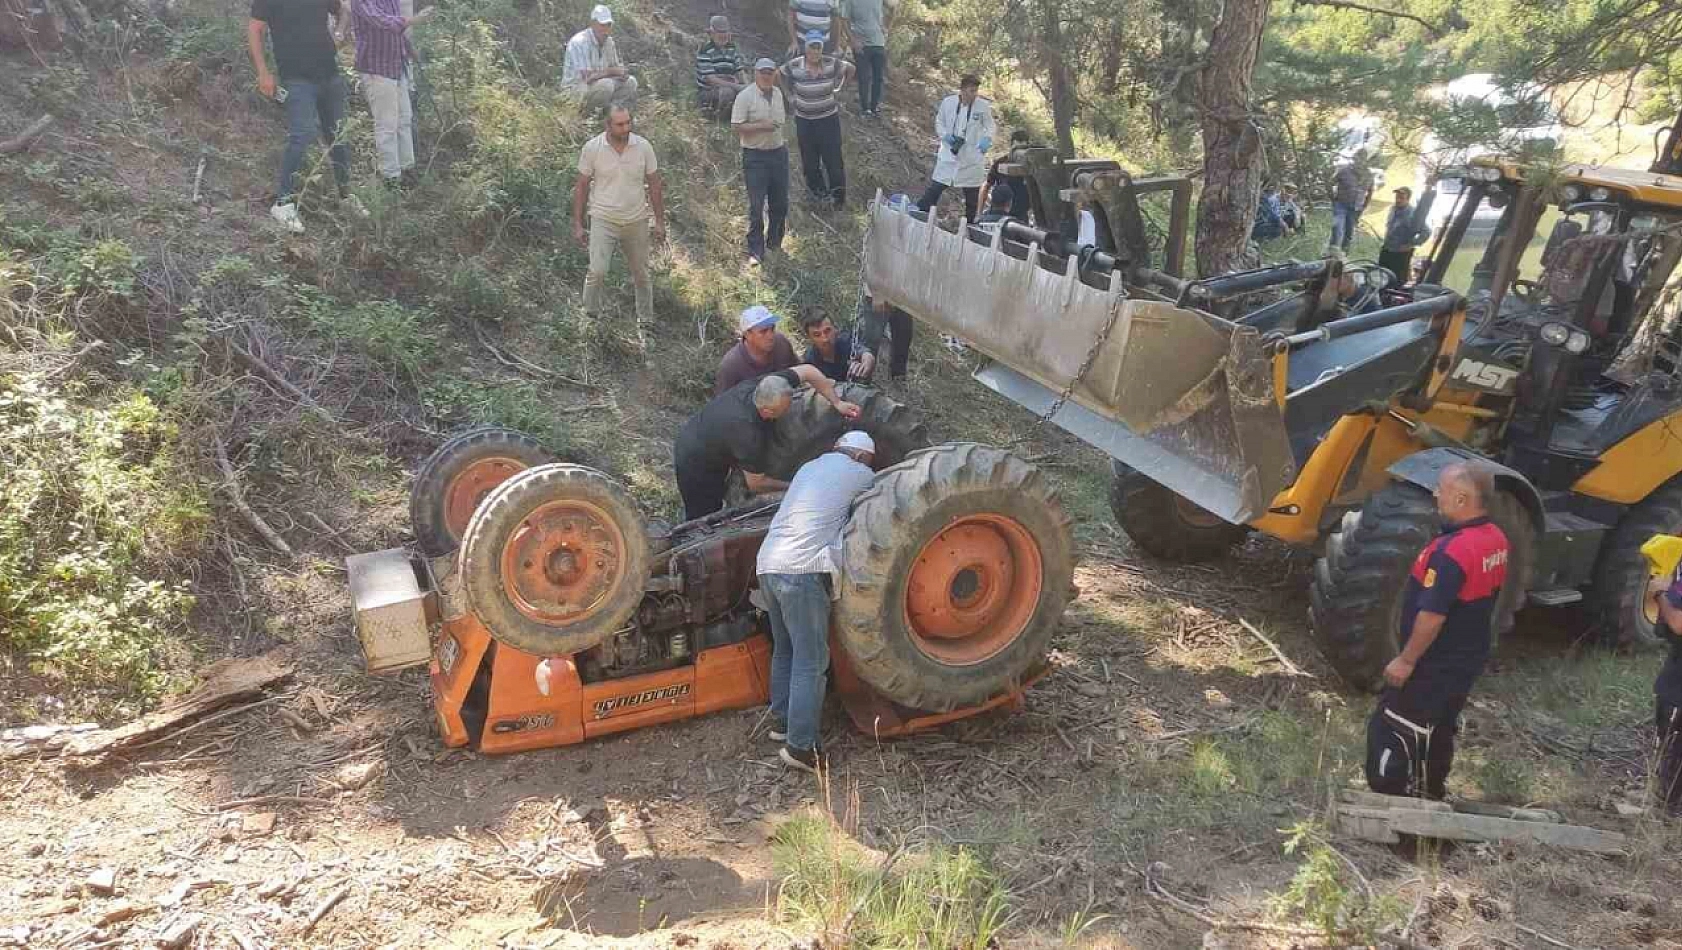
[1667, 696]
[734, 431]
[996, 177]
[310, 85]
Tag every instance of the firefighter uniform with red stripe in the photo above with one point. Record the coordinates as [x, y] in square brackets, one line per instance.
[1667, 709]
[1410, 737]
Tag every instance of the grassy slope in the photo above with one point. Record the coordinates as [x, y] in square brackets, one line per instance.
[381, 323]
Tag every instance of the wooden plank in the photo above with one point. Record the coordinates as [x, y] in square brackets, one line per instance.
[1507, 811]
[224, 682]
[1375, 800]
[1460, 827]
[1368, 824]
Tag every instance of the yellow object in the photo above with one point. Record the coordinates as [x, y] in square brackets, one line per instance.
[1663, 552]
[1642, 461]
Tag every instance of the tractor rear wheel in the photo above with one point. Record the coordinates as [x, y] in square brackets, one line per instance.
[458, 476]
[957, 565]
[556, 560]
[1623, 614]
[1355, 598]
[1164, 524]
[811, 426]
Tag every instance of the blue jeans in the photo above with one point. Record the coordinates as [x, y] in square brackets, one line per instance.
[1344, 218]
[799, 610]
[313, 110]
[873, 70]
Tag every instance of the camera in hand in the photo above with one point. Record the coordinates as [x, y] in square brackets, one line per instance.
[957, 144]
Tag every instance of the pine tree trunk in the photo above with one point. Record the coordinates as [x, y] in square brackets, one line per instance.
[1232, 144]
[1062, 84]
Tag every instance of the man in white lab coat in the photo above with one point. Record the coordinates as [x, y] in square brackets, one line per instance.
[964, 125]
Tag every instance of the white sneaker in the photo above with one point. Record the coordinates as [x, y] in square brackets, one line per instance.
[354, 205]
[287, 215]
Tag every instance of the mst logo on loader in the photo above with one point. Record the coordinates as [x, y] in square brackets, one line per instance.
[1489, 377]
[606, 707]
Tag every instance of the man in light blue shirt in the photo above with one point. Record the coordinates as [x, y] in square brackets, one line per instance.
[795, 567]
[865, 24]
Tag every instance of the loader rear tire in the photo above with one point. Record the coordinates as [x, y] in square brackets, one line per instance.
[456, 478]
[957, 565]
[1165, 525]
[1355, 598]
[556, 560]
[811, 426]
[1623, 616]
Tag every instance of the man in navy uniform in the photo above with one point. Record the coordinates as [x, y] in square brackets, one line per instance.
[1667, 696]
[1448, 611]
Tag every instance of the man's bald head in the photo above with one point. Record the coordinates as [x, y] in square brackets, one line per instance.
[1464, 491]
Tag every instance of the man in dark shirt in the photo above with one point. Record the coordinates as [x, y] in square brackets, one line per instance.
[998, 206]
[1402, 233]
[832, 350]
[1667, 696]
[1448, 609]
[306, 56]
[1018, 207]
[734, 431]
[761, 350]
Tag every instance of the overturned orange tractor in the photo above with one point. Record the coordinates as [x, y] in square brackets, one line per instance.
[550, 611]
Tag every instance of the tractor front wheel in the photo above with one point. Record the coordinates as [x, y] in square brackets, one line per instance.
[957, 565]
[1623, 613]
[1164, 524]
[457, 477]
[1355, 598]
[556, 560]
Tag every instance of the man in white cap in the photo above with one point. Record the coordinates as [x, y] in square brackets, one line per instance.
[760, 350]
[594, 71]
[720, 71]
[797, 562]
[733, 431]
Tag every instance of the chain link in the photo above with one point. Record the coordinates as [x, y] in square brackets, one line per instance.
[1086, 364]
[858, 294]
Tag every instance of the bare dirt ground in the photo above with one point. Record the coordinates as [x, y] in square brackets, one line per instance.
[1168, 737]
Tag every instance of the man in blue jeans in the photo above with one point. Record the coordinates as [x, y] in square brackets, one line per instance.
[306, 55]
[863, 24]
[1351, 190]
[796, 563]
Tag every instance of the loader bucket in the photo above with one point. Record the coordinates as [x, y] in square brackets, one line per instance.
[1186, 398]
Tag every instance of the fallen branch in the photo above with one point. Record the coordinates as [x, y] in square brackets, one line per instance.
[237, 495]
[274, 377]
[27, 137]
[1551, 941]
[268, 800]
[210, 719]
[1155, 891]
[1290, 667]
[75, 358]
[527, 366]
[198, 176]
[327, 904]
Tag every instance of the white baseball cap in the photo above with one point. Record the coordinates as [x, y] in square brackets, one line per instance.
[601, 14]
[755, 317]
[857, 440]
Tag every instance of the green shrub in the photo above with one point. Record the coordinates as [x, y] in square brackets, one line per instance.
[106, 267]
[93, 510]
[387, 331]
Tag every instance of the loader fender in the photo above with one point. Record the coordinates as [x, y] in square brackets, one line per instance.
[1423, 469]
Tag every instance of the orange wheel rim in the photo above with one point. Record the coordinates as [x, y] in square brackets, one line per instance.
[973, 588]
[465, 492]
[562, 562]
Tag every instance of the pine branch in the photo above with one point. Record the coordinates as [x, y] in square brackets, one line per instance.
[1437, 32]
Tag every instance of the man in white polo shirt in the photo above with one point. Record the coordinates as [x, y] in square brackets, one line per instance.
[594, 71]
[620, 178]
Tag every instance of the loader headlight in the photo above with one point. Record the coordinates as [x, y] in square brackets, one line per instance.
[1578, 343]
[1599, 194]
[1555, 334]
[1570, 193]
[1486, 174]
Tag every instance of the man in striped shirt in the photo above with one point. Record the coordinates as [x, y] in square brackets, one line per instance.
[813, 80]
[720, 72]
[382, 57]
[804, 16]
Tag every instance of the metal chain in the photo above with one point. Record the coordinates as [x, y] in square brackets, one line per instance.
[1086, 364]
[858, 293]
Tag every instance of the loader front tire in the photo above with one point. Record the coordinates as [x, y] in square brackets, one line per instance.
[556, 560]
[1355, 598]
[957, 565]
[1165, 525]
[1623, 615]
[456, 478]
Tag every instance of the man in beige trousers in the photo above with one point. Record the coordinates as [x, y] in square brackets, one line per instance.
[620, 178]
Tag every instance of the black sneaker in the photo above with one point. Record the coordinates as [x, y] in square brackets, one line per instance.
[806, 760]
[779, 730]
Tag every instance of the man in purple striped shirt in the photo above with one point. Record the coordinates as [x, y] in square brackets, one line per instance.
[382, 57]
